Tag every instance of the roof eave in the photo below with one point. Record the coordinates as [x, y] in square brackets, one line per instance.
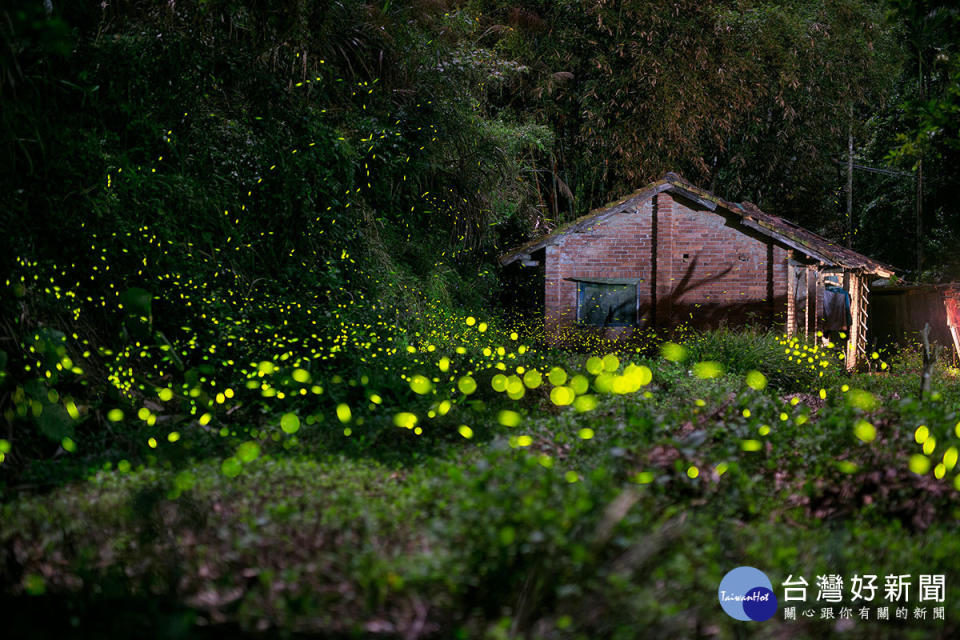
[864, 264]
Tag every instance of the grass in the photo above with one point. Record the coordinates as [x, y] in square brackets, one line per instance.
[607, 523]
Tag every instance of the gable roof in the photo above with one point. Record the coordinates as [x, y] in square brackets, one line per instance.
[806, 242]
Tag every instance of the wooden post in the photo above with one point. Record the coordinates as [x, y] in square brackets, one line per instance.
[853, 331]
[811, 302]
[791, 295]
[862, 324]
[817, 302]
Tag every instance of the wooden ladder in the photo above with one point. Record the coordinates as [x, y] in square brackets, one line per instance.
[862, 318]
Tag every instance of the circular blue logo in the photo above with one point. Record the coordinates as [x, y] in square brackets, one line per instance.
[746, 593]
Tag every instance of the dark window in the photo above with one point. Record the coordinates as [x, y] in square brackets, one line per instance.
[607, 305]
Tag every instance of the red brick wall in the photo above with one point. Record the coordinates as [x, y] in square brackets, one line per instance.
[726, 276]
[619, 247]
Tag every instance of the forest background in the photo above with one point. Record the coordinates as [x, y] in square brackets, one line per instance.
[214, 214]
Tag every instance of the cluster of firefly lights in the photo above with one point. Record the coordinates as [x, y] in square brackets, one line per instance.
[446, 363]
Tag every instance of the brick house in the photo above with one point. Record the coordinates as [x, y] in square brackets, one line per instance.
[673, 253]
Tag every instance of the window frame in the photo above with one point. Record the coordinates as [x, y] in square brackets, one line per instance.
[608, 282]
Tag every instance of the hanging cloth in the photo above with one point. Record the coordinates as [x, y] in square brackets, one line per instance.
[836, 309]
